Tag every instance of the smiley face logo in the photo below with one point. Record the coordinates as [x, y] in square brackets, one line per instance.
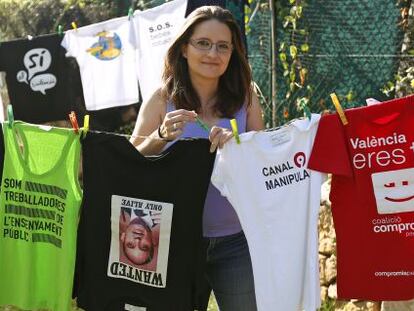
[394, 191]
[397, 200]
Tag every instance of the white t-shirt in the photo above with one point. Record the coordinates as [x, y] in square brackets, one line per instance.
[277, 201]
[106, 61]
[154, 30]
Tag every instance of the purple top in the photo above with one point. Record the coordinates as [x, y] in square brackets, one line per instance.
[219, 218]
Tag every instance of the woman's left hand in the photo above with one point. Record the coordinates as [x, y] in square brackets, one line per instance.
[218, 137]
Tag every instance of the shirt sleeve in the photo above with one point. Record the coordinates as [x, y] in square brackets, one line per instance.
[70, 43]
[220, 169]
[330, 153]
[134, 31]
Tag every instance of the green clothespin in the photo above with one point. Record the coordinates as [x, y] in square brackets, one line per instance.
[303, 105]
[10, 115]
[60, 30]
[235, 130]
[307, 112]
[202, 124]
[130, 13]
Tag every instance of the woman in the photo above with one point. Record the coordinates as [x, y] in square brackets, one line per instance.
[207, 76]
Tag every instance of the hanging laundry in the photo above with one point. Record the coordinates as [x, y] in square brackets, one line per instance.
[1, 154]
[372, 191]
[106, 62]
[154, 30]
[37, 78]
[39, 206]
[140, 235]
[276, 197]
[1, 102]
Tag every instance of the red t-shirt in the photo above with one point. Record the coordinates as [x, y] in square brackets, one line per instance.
[372, 195]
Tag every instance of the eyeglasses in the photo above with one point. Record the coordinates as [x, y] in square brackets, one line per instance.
[206, 45]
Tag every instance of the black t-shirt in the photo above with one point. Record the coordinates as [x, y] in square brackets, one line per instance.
[140, 239]
[37, 76]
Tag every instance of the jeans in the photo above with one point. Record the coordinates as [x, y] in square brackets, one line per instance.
[229, 273]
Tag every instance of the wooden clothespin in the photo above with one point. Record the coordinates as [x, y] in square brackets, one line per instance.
[339, 109]
[85, 127]
[235, 130]
[74, 121]
[74, 26]
[10, 115]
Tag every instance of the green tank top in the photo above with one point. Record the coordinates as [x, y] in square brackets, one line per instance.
[40, 199]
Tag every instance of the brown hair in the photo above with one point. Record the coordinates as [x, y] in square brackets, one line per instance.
[234, 85]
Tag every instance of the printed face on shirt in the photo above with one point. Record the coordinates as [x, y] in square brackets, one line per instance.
[394, 191]
[208, 63]
[137, 242]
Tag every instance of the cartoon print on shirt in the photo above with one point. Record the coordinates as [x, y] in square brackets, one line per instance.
[394, 191]
[108, 47]
[36, 61]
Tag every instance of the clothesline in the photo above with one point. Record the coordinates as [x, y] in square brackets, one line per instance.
[104, 132]
[82, 129]
[128, 135]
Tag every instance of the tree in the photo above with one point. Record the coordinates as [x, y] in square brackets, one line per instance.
[19, 18]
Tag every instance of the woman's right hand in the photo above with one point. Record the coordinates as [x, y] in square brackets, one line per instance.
[174, 122]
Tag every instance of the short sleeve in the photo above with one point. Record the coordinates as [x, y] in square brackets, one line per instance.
[69, 42]
[134, 31]
[220, 169]
[330, 153]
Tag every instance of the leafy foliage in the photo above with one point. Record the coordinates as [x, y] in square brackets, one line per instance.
[19, 18]
[403, 83]
[294, 71]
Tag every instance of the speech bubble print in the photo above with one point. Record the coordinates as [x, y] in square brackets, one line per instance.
[394, 191]
[22, 76]
[43, 82]
[37, 60]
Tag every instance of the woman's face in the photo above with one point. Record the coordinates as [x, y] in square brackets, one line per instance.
[208, 63]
